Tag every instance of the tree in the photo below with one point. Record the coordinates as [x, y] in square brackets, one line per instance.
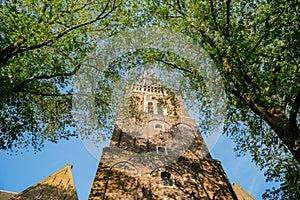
[42, 45]
[255, 45]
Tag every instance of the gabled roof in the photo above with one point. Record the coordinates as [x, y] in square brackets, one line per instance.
[5, 195]
[241, 193]
[59, 185]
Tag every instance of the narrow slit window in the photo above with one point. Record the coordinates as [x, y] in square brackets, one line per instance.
[150, 107]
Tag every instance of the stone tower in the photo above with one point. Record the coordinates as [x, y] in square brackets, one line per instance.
[157, 152]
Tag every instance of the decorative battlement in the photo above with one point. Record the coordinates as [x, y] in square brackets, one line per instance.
[157, 89]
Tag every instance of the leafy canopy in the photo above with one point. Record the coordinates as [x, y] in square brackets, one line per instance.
[42, 45]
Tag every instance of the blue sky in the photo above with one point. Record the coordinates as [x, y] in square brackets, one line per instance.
[18, 172]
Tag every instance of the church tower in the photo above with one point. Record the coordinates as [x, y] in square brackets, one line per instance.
[157, 151]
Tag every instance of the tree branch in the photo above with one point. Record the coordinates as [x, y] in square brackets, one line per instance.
[58, 36]
[21, 85]
[178, 3]
[75, 10]
[294, 111]
[173, 65]
[102, 101]
[44, 94]
[212, 10]
[179, 10]
[201, 29]
[5, 54]
[13, 50]
[45, 5]
[268, 24]
[227, 18]
[195, 73]
[289, 135]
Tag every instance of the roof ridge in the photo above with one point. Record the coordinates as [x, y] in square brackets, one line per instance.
[51, 181]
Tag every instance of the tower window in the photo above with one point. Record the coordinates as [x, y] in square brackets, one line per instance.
[158, 127]
[161, 150]
[150, 107]
[166, 179]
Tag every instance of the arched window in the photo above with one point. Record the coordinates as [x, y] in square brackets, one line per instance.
[166, 179]
[158, 127]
